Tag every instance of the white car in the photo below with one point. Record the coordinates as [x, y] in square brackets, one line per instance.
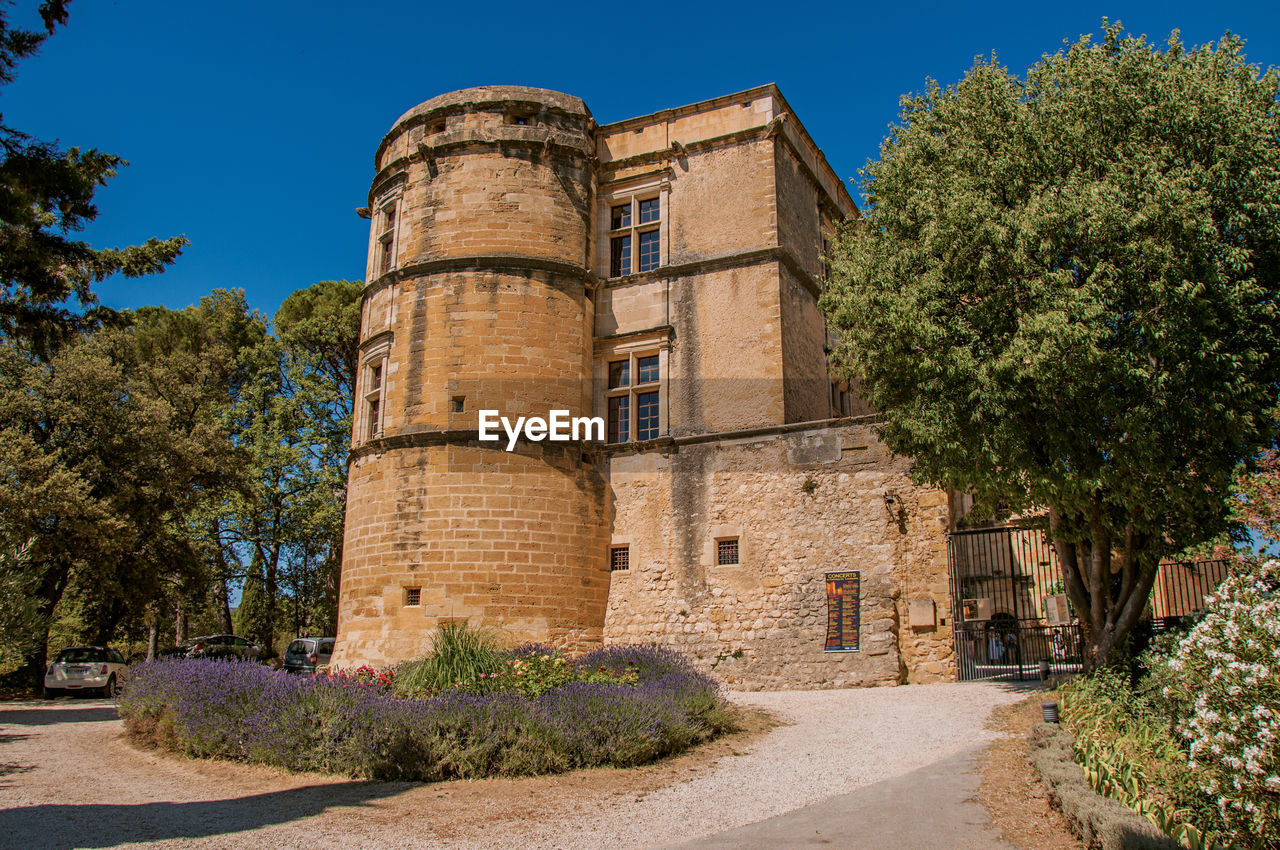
[97, 669]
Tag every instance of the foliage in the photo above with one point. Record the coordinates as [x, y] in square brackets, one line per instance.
[46, 195]
[1064, 298]
[1099, 821]
[1227, 699]
[292, 420]
[351, 725]
[458, 654]
[1131, 753]
[21, 624]
[95, 474]
[532, 670]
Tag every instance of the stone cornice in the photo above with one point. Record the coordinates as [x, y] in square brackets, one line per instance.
[470, 438]
[738, 260]
[659, 330]
[588, 452]
[669, 443]
[541, 141]
[682, 149]
[501, 264]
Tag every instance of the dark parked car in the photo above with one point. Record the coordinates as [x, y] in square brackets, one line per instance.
[215, 646]
[306, 655]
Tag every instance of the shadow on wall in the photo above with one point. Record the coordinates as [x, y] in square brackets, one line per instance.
[58, 826]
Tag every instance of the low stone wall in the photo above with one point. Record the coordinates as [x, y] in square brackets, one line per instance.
[801, 503]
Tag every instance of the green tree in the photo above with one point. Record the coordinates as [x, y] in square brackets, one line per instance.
[1064, 298]
[292, 420]
[97, 475]
[46, 195]
[320, 329]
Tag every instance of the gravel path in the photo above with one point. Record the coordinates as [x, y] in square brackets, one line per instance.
[67, 779]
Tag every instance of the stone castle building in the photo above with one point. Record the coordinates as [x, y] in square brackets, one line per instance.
[661, 273]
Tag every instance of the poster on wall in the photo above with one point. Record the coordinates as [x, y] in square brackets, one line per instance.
[842, 612]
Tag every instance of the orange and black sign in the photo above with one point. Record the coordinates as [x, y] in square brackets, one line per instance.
[842, 612]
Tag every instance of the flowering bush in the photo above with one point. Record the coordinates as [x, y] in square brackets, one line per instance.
[532, 670]
[1227, 699]
[352, 723]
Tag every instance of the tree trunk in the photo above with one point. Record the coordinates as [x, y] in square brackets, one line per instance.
[1108, 602]
[224, 593]
[179, 624]
[153, 636]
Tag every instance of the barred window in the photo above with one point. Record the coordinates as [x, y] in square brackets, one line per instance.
[619, 558]
[413, 596]
[727, 551]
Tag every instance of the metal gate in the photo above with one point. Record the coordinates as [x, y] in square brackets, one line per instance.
[1009, 613]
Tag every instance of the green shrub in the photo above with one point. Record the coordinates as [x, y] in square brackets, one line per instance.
[1222, 685]
[458, 654]
[1098, 821]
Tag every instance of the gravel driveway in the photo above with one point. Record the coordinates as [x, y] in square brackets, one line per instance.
[67, 779]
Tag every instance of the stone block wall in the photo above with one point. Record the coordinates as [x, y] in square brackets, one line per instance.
[517, 541]
[801, 503]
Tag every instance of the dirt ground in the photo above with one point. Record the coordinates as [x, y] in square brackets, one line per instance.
[69, 778]
[1016, 799]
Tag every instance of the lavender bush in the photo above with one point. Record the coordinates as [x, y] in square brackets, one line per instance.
[247, 712]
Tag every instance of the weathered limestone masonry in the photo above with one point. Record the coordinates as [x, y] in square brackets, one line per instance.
[801, 501]
[479, 296]
[661, 273]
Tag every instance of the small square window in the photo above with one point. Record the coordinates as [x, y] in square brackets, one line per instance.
[619, 558]
[650, 243]
[727, 551]
[649, 210]
[620, 217]
[647, 369]
[412, 596]
[459, 403]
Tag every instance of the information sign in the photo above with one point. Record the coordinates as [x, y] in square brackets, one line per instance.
[842, 612]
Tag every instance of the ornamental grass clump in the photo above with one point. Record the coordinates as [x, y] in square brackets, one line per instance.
[458, 653]
[625, 709]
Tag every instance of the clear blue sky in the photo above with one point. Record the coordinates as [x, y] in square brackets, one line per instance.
[251, 127]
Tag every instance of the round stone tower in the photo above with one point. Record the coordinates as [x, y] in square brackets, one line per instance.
[479, 297]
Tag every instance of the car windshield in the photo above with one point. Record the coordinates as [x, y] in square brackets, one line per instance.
[81, 655]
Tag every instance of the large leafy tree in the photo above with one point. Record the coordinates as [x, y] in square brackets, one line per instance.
[96, 476]
[46, 196]
[292, 420]
[1063, 298]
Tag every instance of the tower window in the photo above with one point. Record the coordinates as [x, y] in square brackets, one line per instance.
[459, 403]
[727, 551]
[373, 394]
[387, 239]
[619, 558]
[412, 596]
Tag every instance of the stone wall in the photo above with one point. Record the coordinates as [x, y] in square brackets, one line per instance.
[801, 502]
[516, 541]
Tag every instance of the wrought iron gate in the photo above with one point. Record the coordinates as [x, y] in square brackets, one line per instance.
[1008, 611]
